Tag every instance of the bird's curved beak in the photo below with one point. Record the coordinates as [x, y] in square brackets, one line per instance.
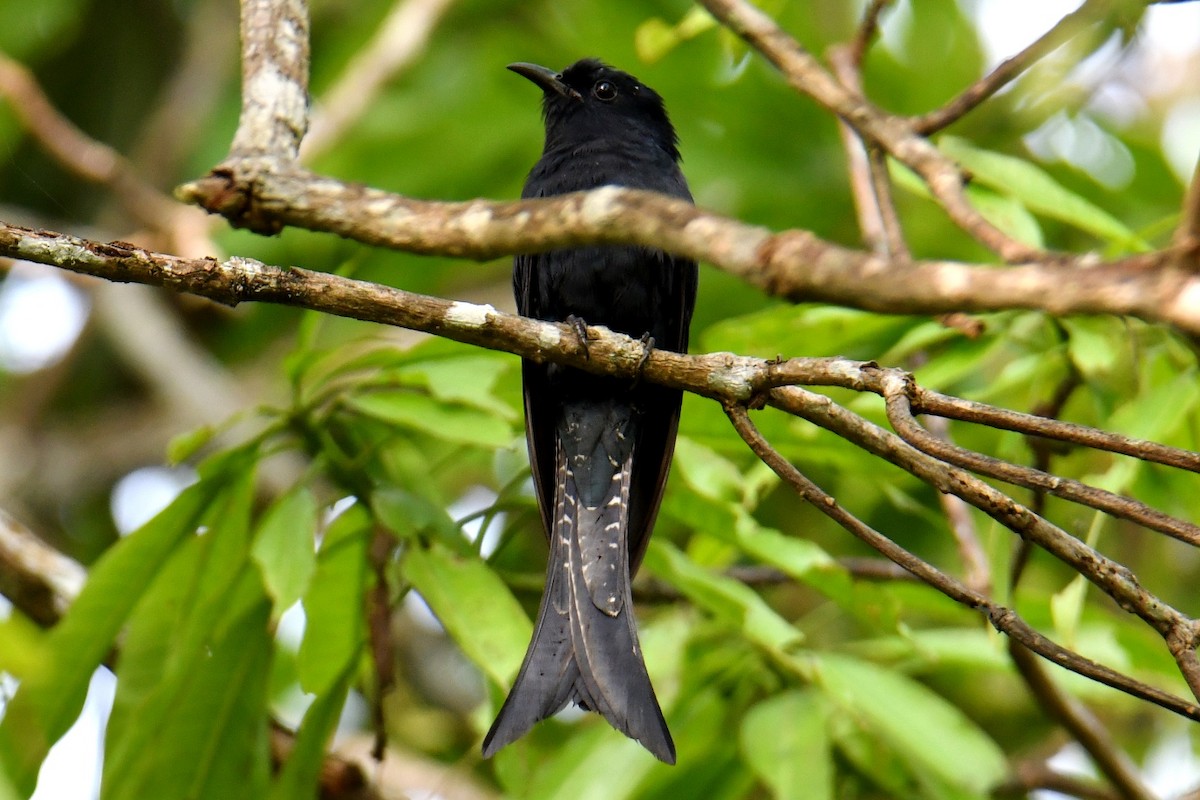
[546, 78]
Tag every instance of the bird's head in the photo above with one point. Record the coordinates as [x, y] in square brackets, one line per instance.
[591, 100]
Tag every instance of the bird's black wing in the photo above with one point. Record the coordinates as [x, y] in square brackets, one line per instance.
[538, 399]
[660, 408]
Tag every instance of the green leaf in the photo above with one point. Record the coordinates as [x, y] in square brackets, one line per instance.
[476, 607]
[785, 741]
[932, 735]
[48, 702]
[1066, 607]
[655, 38]
[32, 28]
[202, 731]
[709, 474]
[186, 445]
[23, 649]
[446, 421]
[7, 790]
[868, 754]
[301, 771]
[469, 380]
[1039, 192]
[1095, 344]
[973, 649]
[335, 630]
[408, 514]
[193, 668]
[595, 764]
[726, 599]
[1155, 415]
[812, 331]
[800, 558]
[285, 547]
[1008, 214]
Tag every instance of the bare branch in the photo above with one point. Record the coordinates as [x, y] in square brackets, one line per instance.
[1009, 69]
[1082, 725]
[869, 180]
[892, 134]
[1113, 578]
[275, 54]
[38, 579]
[732, 379]
[926, 401]
[1003, 619]
[900, 415]
[866, 30]
[795, 265]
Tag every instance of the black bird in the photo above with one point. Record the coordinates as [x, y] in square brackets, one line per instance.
[600, 448]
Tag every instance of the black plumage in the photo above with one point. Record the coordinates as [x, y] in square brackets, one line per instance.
[600, 448]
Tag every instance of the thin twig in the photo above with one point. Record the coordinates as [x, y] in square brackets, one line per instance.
[869, 181]
[1082, 724]
[977, 570]
[866, 30]
[1113, 578]
[1009, 69]
[1029, 776]
[1003, 619]
[881, 184]
[892, 134]
[926, 401]
[901, 417]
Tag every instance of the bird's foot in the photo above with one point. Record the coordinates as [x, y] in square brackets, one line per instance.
[579, 328]
[647, 348]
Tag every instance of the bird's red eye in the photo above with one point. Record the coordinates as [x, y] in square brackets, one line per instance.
[604, 90]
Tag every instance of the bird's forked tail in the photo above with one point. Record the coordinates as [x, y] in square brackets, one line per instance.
[585, 645]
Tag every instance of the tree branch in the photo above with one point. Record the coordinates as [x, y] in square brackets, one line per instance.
[892, 134]
[1003, 619]
[275, 56]
[1009, 69]
[38, 579]
[1082, 725]
[723, 376]
[795, 265]
[901, 417]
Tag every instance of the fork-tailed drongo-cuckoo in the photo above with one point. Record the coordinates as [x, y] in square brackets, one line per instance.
[600, 448]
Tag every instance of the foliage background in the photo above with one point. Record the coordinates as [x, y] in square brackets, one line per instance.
[822, 686]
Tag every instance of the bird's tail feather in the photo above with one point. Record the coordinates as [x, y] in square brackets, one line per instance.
[585, 645]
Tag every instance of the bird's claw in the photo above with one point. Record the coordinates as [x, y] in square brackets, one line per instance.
[579, 328]
[647, 348]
